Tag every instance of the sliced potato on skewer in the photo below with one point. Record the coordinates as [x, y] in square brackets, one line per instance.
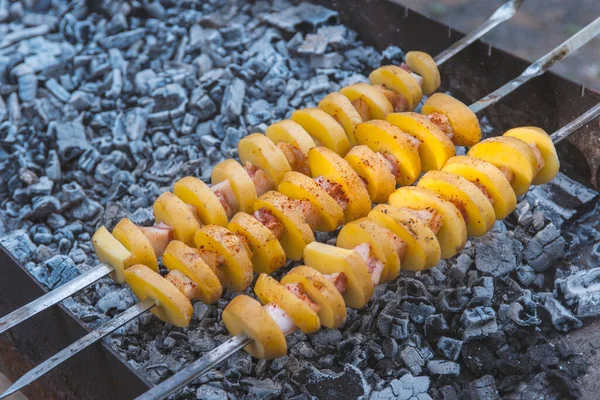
[243, 314]
[324, 128]
[288, 131]
[372, 169]
[341, 109]
[465, 124]
[110, 251]
[132, 237]
[533, 135]
[399, 80]
[171, 210]
[378, 105]
[243, 187]
[171, 307]
[424, 65]
[259, 150]
[198, 194]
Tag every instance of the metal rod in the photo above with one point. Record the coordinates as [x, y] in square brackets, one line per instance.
[564, 132]
[79, 345]
[542, 65]
[197, 368]
[503, 13]
[54, 297]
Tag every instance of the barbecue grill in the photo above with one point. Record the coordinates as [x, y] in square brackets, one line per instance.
[100, 373]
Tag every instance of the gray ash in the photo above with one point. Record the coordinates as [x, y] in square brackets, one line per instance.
[103, 105]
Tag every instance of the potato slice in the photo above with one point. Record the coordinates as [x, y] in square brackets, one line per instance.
[381, 136]
[435, 148]
[423, 64]
[423, 248]
[132, 237]
[533, 135]
[465, 124]
[259, 150]
[198, 194]
[332, 312]
[236, 270]
[324, 128]
[341, 109]
[452, 236]
[267, 254]
[171, 307]
[509, 153]
[379, 105]
[324, 162]
[300, 187]
[110, 251]
[372, 169]
[467, 197]
[297, 233]
[365, 230]
[400, 81]
[243, 314]
[330, 259]
[488, 177]
[268, 290]
[243, 187]
[171, 210]
[180, 257]
[288, 131]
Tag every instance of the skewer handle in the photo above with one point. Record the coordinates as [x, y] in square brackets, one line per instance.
[540, 66]
[197, 368]
[564, 132]
[54, 297]
[503, 13]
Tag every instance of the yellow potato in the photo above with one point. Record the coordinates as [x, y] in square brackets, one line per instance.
[243, 314]
[532, 135]
[400, 81]
[180, 257]
[365, 230]
[324, 128]
[170, 210]
[241, 183]
[379, 105]
[423, 248]
[236, 270]
[452, 236]
[267, 254]
[171, 306]
[423, 64]
[372, 169]
[465, 196]
[297, 233]
[509, 153]
[488, 177]
[110, 251]
[268, 290]
[435, 148]
[465, 124]
[341, 109]
[288, 131]
[132, 237]
[259, 150]
[332, 312]
[324, 162]
[300, 187]
[381, 136]
[198, 194]
[330, 259]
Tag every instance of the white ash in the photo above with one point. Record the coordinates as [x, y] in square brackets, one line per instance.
[103, 109]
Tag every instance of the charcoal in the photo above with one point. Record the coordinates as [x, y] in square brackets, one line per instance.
[412, 359]
[545, 248]
[210, 392]
[453, 300]
[19, 245]
[523, 312]
[55, 271]
[393, 322]
[81, 100]
[262, 389]
[435, 326]
[449, 348]
[581, 291]
[496, 254]
[313, 44]
[26, 80]
[43, 206]
[483, 388]
[347, 384]
[86, 210]
[525, 275]
[123, 39]
[442, 367]
[233, 99]
[53, 168]
[202, 106]
[71, 140]
[461, 267]
[117, 300]
[561, 317]
[478, 322]
[14, 108]
[483, 291]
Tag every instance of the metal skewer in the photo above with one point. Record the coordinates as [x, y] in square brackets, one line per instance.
[505, 12]
[541, 65]
[79, 345]
[235, 343]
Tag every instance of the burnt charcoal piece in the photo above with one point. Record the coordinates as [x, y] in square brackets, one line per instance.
[71, 140]
[43, 206]
[483, 292]
[412, 359]
[581, 291]
[347, 384]
[484, 388]
[233, 99]
[545, 248]
[449, 348]
[561, 317]
[478, 322]
[56, 271]
[435, 326]
[443, 367]
[123, 39]
[19, 245]
[115, 300]
[525, 275]
[477, 358]
[304, 17]
[407, 387]
[523, 312]
[453, 300]
[393, 322]
[261, 389]
[496, 253]
[26, 80]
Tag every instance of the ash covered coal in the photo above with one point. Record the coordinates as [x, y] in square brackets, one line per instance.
[104, 105]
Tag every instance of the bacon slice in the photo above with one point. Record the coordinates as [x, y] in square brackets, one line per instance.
[443, 123]
[310, 213]
[195, 213]
[185, 285]
[226, 196]
[261, 181]
[399, 245]
[297, 159]
[211, 258]
[362, 108]
[340, 281]
[398, 102]
[266, 217]
[392, 164]
[405, 67]
[538, 156]
[297, 290]
[429, 217]
[159, 236]
[281, 318]
[373, 263]
[334, 190]
[508, 174]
